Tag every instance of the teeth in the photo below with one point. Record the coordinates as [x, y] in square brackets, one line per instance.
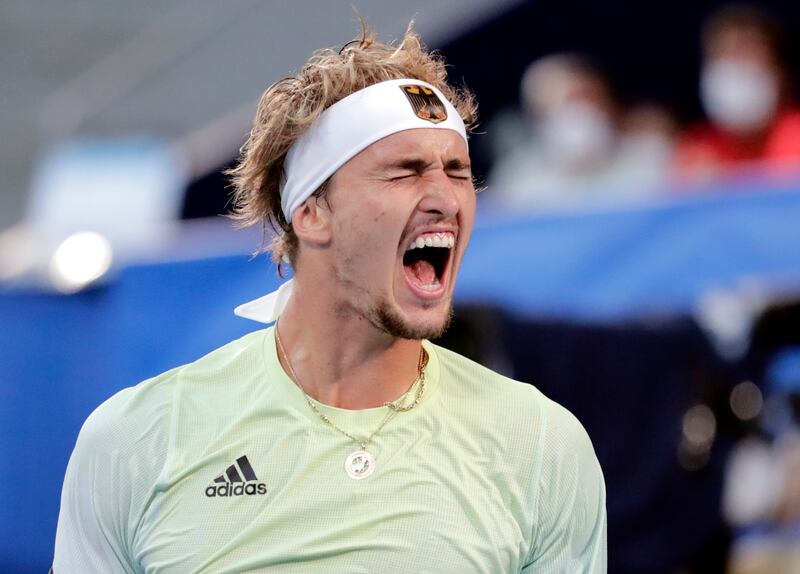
[446, 240]
[431, 286]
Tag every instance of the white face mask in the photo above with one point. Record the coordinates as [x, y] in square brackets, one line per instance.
[576, 133]
[739, 96]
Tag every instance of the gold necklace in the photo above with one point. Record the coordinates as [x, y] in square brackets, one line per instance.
[360, 463]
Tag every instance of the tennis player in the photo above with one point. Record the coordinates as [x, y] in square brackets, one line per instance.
[339, 439]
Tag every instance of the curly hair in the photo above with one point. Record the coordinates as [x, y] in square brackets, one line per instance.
[289, 106]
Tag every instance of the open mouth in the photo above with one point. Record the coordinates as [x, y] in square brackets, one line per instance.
[427, 259]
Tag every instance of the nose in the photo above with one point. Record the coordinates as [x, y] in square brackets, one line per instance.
[440, 196]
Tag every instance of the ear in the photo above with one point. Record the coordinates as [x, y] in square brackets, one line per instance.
[312, 222]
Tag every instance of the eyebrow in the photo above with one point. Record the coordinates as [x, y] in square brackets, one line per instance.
[456, 164]
[411, 164]
[418, 165]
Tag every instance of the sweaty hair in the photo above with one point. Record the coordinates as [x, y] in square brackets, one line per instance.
[289, 107]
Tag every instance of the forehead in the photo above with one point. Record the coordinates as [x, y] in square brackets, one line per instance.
[742, 42]
[423, 143]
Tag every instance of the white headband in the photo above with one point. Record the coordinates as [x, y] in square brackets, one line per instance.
[341, 132]
[355, 122]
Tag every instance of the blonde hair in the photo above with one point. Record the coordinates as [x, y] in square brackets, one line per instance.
[289, 106]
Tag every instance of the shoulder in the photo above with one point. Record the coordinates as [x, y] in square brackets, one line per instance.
[110, 426]
[789, 118]
[489, 404]
[139, 419]
[543, 448]
[569, 474]
[565, 442]
[520, 408]
[487, 386]
[512, 397]
[698, 139]
[784, 141]
[568, 497]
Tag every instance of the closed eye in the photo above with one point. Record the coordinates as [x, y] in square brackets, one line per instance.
[458, 169]
[401, 176]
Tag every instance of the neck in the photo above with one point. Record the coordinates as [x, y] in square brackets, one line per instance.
[340, 359]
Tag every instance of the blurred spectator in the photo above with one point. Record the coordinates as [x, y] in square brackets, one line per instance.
[646, 146]
[762, 491]
[579, 150]
[745, 88]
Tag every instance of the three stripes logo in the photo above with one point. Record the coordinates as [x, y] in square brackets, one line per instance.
[238, 479]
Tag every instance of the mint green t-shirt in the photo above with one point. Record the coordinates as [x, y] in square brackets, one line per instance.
[220, 466]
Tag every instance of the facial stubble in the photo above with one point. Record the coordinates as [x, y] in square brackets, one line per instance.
[386, 318]
[380, 313]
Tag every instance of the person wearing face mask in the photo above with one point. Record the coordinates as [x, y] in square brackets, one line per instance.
[745, 91]
[579, 152]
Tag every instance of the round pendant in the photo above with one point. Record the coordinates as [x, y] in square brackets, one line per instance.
[360, 464]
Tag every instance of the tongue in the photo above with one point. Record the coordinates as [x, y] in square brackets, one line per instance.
[423, 271]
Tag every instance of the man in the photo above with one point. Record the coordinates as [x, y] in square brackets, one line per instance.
[340, 440]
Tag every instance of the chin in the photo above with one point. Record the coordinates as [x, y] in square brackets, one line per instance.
[392, 321]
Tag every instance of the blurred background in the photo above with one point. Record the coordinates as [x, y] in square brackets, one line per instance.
[636, 253]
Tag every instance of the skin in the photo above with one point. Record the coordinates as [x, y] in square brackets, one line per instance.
[742, 44]
[350, 283]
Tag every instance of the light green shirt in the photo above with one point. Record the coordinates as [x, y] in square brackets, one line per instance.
[485, 475]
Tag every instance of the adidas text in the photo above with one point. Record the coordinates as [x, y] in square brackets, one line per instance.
[234, 489]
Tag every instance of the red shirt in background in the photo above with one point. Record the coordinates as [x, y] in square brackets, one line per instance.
[707, 151]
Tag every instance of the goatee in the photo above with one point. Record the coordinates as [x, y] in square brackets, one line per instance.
[388, 320]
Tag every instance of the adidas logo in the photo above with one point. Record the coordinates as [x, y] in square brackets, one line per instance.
[235, 483]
